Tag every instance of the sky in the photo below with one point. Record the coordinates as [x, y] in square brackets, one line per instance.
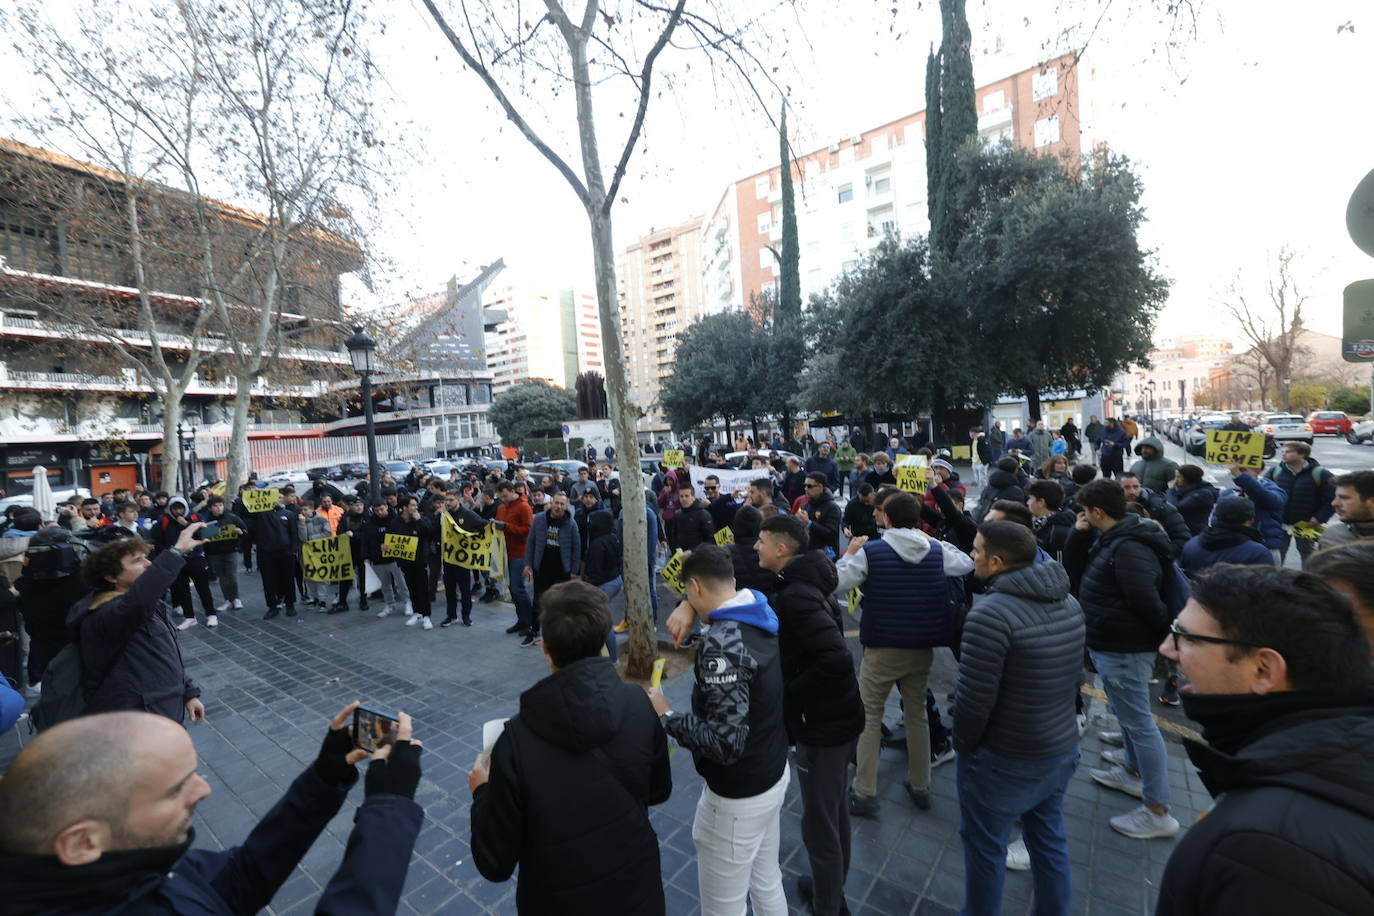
[1248, 124]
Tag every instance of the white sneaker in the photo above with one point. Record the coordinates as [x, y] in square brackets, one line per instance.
[33, 690]
[1018, 856]
[223, 606]
[384, 612]
[410, 611]
[1117, 778]
[428, 624]
[187, 623]
[1115, 757]
[412, 619]
[1144, 824]
[1112, 738]
[238, 604]
[211, 620]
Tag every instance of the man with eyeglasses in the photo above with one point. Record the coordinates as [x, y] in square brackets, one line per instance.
[822, 515]
[1278, 670]
[721, 506]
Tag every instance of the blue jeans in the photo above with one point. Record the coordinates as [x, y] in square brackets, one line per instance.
[995, 791]
[1126, 680]
[612, 588]
[519, 592]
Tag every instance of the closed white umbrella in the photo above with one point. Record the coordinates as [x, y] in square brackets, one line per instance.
[43, 500]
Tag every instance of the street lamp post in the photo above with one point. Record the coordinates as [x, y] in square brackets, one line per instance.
[185, 449]
[1150, 403]
[362, 350]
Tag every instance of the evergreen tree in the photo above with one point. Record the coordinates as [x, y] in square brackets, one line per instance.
[958, 117]
[935, 204]
[789, 283]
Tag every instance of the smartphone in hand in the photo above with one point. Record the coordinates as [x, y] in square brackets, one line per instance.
[373, 730]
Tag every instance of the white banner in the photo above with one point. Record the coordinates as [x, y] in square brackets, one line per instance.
[730, 481]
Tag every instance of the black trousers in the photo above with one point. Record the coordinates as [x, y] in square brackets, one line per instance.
[436, 575]
[458, 582]
[417, 583]
[549, 574]
[278, 571]
[360, 571]
[196, 572]
[823, 773]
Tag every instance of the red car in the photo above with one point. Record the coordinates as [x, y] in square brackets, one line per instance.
[1329, 423]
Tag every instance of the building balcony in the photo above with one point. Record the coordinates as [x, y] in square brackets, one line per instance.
[127, 381]
[994, 120]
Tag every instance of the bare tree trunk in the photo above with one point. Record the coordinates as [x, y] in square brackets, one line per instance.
[171, 446]
[237, 469]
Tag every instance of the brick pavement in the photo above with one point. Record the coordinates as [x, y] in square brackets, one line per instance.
[269, 688]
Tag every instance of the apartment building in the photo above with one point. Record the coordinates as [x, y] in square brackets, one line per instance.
[661, 280]
[861, 187]
[1180, 370]
[546, 333]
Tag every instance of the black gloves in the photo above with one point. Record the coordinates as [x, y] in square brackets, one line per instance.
[331, 766]
[396, 774]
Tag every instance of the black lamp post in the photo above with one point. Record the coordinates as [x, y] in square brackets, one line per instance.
[362, 350]
[185, 450]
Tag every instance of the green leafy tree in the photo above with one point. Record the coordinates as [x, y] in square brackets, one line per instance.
[951, 124]
[1305, 397]
[1061, 293]
[789, 280]
[1354, 401]
[709, 378]
[532, 408]
[935, 203]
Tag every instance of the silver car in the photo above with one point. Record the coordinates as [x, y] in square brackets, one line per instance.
[1286, 427]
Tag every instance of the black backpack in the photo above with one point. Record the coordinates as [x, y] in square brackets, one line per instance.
[64, 694]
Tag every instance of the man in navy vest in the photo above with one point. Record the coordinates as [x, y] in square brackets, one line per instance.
[905, 614]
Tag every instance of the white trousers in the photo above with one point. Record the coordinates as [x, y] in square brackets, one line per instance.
[737, 852]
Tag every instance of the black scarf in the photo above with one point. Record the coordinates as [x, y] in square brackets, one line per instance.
[39, 884]
[1232, 720]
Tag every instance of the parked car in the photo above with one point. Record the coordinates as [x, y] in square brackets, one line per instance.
[568, 466]
[1197, 436]
[1329, 422]
[59, 495]
[1361, 430]
[280, 479]
[355, 470]
[398, 468]
[1286, 427]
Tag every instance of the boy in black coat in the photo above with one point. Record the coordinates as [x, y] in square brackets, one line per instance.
[821, 703]
[565, 793]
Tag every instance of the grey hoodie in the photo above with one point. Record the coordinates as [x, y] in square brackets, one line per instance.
[1020, 665]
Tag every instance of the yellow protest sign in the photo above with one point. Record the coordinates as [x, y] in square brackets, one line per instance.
[725, 537]
[656, 676]
[400, 547]
[913, 474]
[673, 458]
[672, 572]
[463, 549]
[1227, 445]
[852, 599]
[226, 533]
[261, 500]
[327, 559]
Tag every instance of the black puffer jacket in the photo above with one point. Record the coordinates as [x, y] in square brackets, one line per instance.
[1292, 826]
[605, 555]
[820, 703]
[1119, 574]
[691, 527]
[129, 652]
[1169, 518]
[823, 520]
[1001, 485]
[572, 779]
[1052, 531]
[1310, 491]
[1020, 664]
[748, 572]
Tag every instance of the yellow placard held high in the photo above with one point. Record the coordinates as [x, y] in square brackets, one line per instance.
[852, 599]
[400, 547]
[673, 458]
[463, 549]
[327, 559]
[672, 572]
[1227, 445]
[725, 537]
[261, 500]
[913, 474]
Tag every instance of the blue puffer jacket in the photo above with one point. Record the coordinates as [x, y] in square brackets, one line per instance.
[1237, 544]
[569, 543]
[1269, 499]
[905, 605]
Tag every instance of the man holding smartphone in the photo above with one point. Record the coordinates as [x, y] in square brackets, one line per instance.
[115, 834]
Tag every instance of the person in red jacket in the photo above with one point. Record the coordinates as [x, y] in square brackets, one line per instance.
[515, 517]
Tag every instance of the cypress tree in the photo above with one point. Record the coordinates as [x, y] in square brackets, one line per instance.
[935, 204]
[789, 282]
[958, 114]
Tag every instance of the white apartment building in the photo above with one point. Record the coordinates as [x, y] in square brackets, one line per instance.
[548, 334]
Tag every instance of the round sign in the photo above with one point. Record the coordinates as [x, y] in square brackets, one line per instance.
[1359, 215]
[567, 430]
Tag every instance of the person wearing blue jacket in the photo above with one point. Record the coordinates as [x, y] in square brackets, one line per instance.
[1193, 496]
[1269, 499]
[1231, 538]
[96, 817]
[1111, 448]
[553, 554]
[11, 702]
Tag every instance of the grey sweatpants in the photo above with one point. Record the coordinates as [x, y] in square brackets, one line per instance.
[393, 584]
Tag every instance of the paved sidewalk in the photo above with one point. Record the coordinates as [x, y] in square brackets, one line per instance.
[270, 687]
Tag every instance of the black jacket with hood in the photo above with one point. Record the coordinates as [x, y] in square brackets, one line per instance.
[1001, 485]
[823, 520]
[1119, 574]
[605, 557]
[572, 778]
[1293, 821]
[820, 700]
[748, 572]
[130, 656]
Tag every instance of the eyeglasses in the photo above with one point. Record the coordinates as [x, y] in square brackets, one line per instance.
[813, 486]
[710, 489]
[1179, 633]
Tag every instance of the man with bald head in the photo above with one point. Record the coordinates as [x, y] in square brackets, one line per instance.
[96, 817]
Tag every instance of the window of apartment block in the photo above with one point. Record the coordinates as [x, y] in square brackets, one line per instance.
[27, 240]
[765, 222]
[881, 184]
[762, 186]
[994, 101]
[765, 257]
[1045, 83]
[846, 193]
[1047, 131]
